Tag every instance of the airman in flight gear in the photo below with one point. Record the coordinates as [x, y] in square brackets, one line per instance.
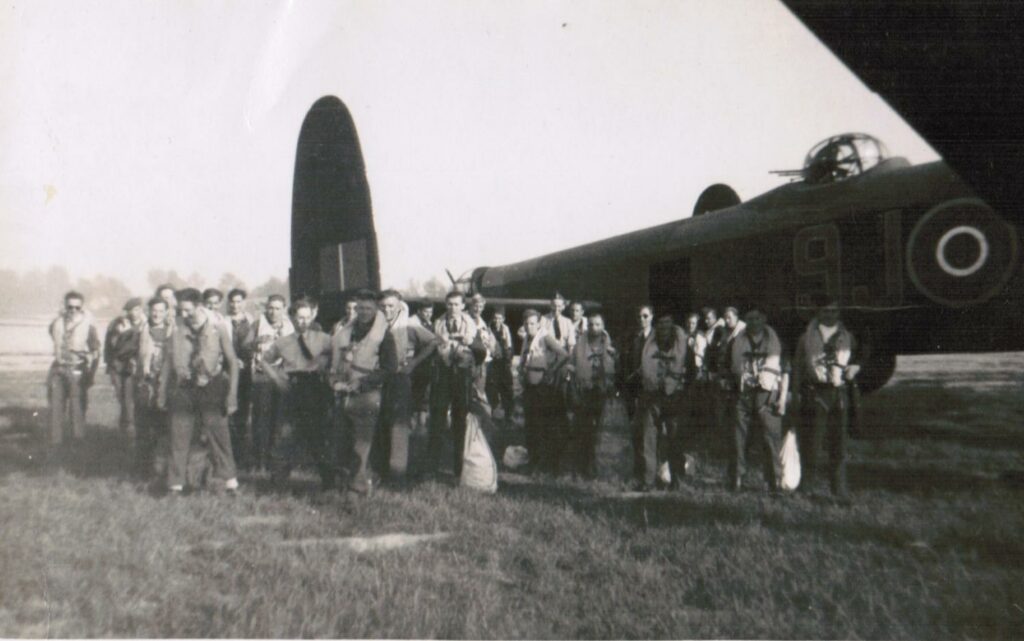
[298, 364]
[76, 351]
[451, 386]
[424, 371]
[663, 372]
[202, 377]
[120, 349]
[593, 366]
[578, 316]
[823, 373]
[543, 408]
[267, 398]
[757, 370]
[557, 325]
[631, 384]
[499, 372]
[152, 422]
[364, 354]
[414, 344]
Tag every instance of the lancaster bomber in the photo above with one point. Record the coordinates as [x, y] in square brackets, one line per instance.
[919, 263]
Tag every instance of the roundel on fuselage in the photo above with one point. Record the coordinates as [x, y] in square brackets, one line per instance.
[715, 197]
[961, 253]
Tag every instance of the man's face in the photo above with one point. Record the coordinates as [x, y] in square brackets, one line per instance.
[731, 319]
[73, 308]
[645, 318]
[499, 318]
[168, 295]
[557, 305]
[426, 312]
[454, 305]
[664, 329]
[190, 313]
[390, 306]
[350, 309]
[710, 319]
[303, 319]
[476, 307]
[275, 311]
[596, 326]
[366, 311]
[136, 315]
[236, 304]
[577, 311]
[755, 321]
[828, 316]
[157, 313]
[691, 324]
[532, 325]
[212, 303]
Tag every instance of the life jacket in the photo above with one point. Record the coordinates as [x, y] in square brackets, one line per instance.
[757, 364]
[400, 330]
[826, 360]
[151, 350]
[594, 367]
[696, 353]
[71, 343]
[453, 350]
[197, 355]
[355, 360]
[664, 371]
[536, 358]
[490, 342]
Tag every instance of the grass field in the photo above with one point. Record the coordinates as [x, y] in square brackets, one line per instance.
[931, 547]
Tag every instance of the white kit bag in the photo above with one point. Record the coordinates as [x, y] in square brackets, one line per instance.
[789, 456]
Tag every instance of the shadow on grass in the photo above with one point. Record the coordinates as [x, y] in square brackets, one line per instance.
[24, 448]
[699, 510]
[964, 416]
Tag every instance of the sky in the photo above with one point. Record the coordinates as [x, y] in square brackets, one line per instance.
[141, 135]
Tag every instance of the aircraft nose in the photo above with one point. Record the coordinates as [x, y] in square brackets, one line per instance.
[961, 252]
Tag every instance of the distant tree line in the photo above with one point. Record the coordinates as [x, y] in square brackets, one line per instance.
[40, 291]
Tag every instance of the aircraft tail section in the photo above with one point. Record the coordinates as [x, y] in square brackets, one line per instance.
[334, 243]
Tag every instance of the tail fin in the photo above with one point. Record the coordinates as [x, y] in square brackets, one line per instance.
[334, 244]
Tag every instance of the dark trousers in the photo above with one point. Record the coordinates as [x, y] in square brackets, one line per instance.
[499, 386]
[205, 408]
[67, 393]
[124, 392]
[421, 386]
[390, 453]
[660, 417]
[241, 434]
[152, 432]
[825, 413]
[450, 388]
[631, 398]
[723, 408]
[587, 413]
[754, 415]
[544, 418]
[305, 428]
[700, 415]
[268, 410]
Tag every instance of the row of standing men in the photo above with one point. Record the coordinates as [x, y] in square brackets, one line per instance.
[350, 398]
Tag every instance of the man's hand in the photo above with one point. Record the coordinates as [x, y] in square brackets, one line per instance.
[780, 407]
[232, 406]
[851, 372]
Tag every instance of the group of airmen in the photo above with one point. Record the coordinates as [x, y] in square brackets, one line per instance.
[265, 392]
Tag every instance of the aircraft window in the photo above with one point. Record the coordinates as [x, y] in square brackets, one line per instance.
[840, 157]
